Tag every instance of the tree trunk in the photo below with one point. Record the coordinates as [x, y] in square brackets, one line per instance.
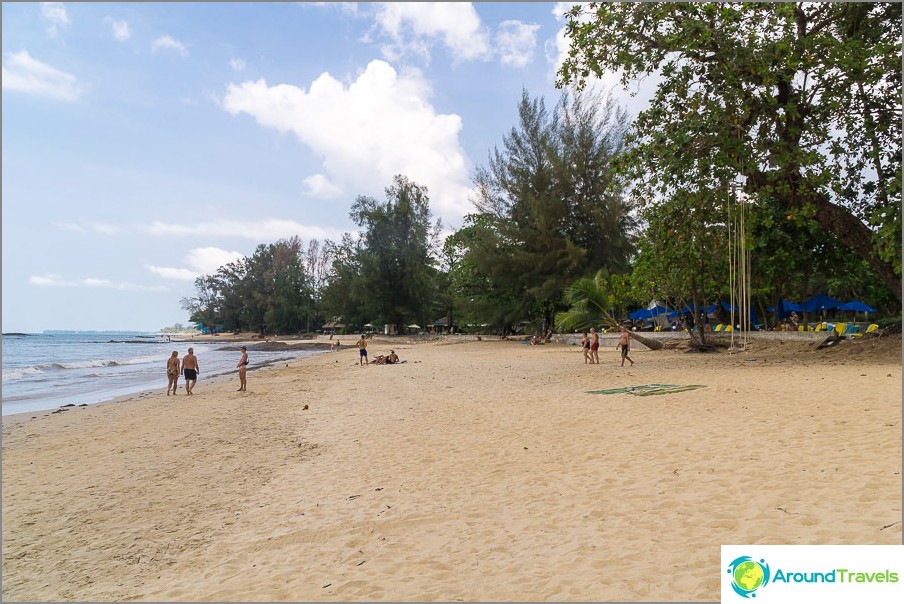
[648, 342]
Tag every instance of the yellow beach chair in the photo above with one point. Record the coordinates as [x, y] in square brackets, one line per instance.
[840, 328]
[718, 327]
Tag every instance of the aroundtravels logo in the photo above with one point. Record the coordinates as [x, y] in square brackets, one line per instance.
[748, 575]
[812, 573]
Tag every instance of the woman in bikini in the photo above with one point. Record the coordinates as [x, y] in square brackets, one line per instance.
[172, 372]
[243, 363]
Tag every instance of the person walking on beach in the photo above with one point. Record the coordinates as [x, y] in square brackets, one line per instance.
[624, 341]
[190, 369]
[172, 372]
[594, 346]
[585, 347]
[362, 351]
[243, 378]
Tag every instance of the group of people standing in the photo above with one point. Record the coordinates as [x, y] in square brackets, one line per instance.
[590, 346]
[189, 368]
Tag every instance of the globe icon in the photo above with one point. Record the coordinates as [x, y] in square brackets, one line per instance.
[748, 575]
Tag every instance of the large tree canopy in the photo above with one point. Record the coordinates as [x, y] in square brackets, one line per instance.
[803, 100]
[549, 211]
[396, 256]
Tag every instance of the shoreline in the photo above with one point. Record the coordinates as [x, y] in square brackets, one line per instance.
[475, 470]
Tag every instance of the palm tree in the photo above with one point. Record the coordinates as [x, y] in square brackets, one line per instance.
[591, 302]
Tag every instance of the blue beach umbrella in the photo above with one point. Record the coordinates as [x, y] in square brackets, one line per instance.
[857, 306]
[820, 302]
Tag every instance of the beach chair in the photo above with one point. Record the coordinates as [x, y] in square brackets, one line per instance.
[840, 328]
[727, 329]
[718, 328]
[872, 327]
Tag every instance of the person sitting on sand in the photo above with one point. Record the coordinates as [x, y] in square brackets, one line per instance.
[393, 358]
[380, 360]
[172, 372]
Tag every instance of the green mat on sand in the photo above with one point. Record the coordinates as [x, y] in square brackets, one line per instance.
[648, 389]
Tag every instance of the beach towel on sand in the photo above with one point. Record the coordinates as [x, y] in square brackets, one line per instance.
[648, 389]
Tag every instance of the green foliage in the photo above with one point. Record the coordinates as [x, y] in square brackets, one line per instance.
[803, 100]
[268, 292]
[549, 209]
[387, 276]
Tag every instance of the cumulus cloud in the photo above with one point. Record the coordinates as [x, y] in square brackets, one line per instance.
[54, 280]
[168, 42]
[121, 30]
[237, 64]
[379, 125]
[22, 73]
[413, 27]
[55, 13]
[202, 261]
[515, 42]
[262, 230]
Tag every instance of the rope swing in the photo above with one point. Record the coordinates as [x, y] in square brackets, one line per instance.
[738, 267]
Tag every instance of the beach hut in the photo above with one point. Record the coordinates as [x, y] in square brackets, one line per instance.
[334, 326]
[444, 324]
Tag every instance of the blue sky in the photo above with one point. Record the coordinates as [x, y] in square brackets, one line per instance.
[146, 144]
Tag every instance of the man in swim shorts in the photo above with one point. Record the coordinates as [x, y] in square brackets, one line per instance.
[362, 351]
[190, 369]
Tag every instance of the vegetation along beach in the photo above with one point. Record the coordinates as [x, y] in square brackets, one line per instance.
[662, 315]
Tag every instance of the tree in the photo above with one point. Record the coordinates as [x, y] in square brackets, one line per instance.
[802, 100]
[268, 291]
[549, 209]
[395, 259]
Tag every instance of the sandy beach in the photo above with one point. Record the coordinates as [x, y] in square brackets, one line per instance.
[473, 471]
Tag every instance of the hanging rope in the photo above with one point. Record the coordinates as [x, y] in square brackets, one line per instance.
[738, 268]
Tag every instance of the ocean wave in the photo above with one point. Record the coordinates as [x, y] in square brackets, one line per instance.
[17, 373]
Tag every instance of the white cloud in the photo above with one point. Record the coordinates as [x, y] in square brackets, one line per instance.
[380, 125]
[55, 12]
[54, 280]
[515, 42]
[97, 227]
[121, 29]
[179, 274]
[263, 230]
[170, 43]
[22, 73]
[349, 8]
[237, 64]
[414, 26]
[208, 259]
[202, 260]
[320, 186]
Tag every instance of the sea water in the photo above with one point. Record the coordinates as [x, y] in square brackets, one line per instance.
[51, 369]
